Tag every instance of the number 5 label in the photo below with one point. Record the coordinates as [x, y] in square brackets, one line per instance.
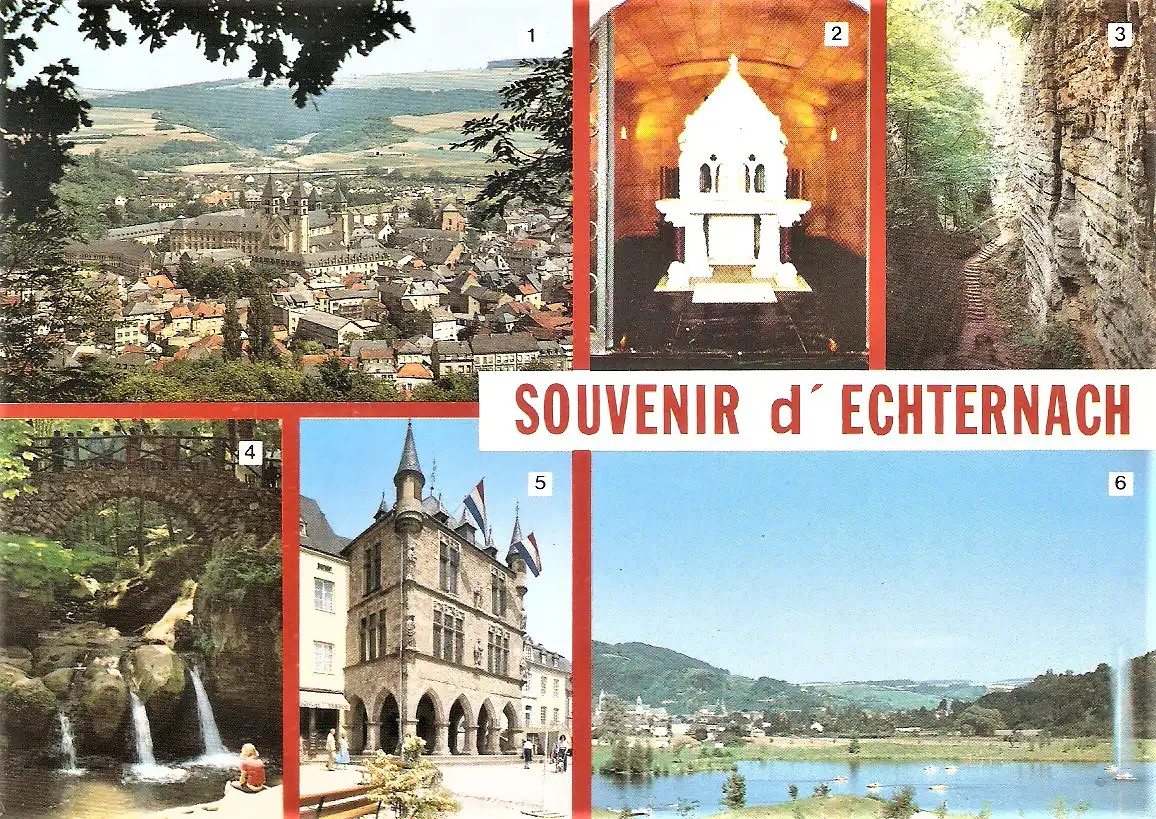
[1121, 484]
[836, 34]
[540, 484]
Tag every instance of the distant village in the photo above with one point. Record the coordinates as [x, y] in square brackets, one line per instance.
[405, 290]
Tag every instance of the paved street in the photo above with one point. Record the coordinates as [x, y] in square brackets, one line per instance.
[487, 791]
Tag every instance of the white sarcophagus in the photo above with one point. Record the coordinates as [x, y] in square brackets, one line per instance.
[732, 185]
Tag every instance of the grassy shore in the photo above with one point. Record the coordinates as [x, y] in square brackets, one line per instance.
[829, 807]
[691, 759]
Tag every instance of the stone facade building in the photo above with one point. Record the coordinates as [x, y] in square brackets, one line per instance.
[436, 628]
[546, 696]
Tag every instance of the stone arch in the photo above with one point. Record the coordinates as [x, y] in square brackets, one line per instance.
[358, 725]
[459, 725]
[511, 727]
[236, 510]
[388, 723]
[428, 715]
[487, 729]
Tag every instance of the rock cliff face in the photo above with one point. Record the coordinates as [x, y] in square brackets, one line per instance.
[1086, 167]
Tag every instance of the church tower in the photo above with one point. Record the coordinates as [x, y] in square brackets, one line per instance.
[270, 201]
[299, 221]
[344, 217]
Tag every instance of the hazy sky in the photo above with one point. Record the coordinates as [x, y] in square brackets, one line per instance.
[837, 566]
[450, 34]
[346, 465]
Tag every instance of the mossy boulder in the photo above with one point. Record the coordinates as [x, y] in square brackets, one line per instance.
[49, 658]
[158, 676]
[59, 681]
[17, 657]
[29, 708]
[104, 699]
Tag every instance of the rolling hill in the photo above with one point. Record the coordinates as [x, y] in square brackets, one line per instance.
[352, 113]
[683, 684]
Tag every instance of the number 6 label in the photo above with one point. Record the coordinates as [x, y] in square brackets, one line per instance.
[836, 34]
[1121, 484]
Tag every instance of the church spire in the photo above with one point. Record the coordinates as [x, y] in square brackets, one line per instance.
[516, 535]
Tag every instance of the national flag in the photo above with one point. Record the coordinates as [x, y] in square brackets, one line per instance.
[475, 504]
[527, 547]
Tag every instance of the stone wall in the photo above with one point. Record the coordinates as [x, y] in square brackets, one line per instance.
[1086, 173]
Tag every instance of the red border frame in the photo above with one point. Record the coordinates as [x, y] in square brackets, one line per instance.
[877, 186]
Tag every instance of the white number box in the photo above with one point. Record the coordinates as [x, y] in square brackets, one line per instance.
[837, 35]
[540, 484]
[250, 453]
[1120, 35]
[1121, 484]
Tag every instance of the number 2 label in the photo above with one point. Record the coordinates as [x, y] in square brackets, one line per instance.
[836, 34]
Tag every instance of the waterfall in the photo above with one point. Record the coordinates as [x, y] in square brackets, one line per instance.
[215, 751]
[68, 745]
[142, 732]
[1122, 717]
[147, 768]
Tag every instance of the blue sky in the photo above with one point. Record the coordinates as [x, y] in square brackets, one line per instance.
[450, 34]
[837, 566]
[347, 464]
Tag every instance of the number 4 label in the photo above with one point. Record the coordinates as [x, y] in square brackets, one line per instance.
[250, 453]
[836, 34]
[1120, 35]
[1121, 484]
[540, 484]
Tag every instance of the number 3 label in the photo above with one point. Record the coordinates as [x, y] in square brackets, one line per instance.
[1120, 35]
[1121, 484]
[836, 34]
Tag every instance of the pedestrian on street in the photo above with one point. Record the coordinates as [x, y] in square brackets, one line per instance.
[527, 752]
[342, 747]
[564, 752]
[331, 750]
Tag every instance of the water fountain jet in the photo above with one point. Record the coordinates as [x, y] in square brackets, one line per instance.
[1122, 720]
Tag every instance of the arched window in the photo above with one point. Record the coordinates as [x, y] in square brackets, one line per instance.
[747, 178]
[760, 179]
[704, 178]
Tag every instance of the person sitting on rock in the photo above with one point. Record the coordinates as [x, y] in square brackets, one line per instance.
[252, 778]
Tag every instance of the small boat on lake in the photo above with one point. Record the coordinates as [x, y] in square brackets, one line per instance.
[929, 769]
[839, 778]
[873, 786]
[937, 788]
[951, 769]
[1124, 776]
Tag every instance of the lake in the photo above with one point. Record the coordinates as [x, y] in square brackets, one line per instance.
[1008, 787]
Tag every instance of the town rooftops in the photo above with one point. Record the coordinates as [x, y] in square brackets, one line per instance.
[232, 220]
[324, 319]
[497, 343]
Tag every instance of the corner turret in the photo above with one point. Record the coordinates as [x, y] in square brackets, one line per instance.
[409, 482]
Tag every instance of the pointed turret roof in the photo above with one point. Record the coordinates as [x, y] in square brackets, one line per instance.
[341, 194]
[269, 191]
[314, 198]
[382, 508]
[516, 535]
[409, 463]
[298, 189]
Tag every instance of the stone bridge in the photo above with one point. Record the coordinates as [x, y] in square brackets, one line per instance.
[196, 477]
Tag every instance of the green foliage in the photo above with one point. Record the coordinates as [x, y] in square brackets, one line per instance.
[48, 300]
[359, 134]
[88, 188]
[40, 112]
[941, 811]
[178, 152]
[410, 785]
[793, 792]
[540, 105]
[821, 790]
[734, 791]
[979, 721]
[42, 568]
[231, 330]
[853, 746]
[1017, 16]
[15, 461]
[938, 152]
[901, 805]
[450, 387]
[235, 575]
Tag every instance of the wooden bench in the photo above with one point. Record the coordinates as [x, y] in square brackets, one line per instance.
[348, 803]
